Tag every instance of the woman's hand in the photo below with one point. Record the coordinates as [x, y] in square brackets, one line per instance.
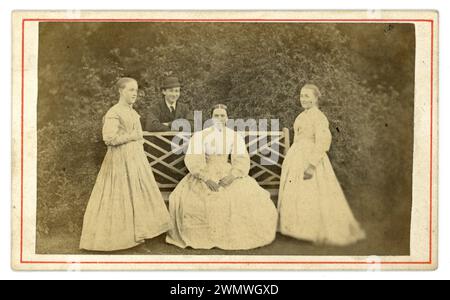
[227, 180]
[213, 186]
[309, 172]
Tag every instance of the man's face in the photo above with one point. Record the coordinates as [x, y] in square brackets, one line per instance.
[171, 95]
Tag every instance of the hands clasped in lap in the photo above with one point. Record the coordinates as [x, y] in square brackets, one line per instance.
[224, 182]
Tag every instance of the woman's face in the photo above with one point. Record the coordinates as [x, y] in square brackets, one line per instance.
[308, 98]
[129, 92]
[220, 117]
[171, 95]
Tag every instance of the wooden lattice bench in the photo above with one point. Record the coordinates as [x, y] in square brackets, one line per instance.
[168, 166]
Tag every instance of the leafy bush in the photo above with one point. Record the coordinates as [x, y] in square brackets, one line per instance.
[69, 157]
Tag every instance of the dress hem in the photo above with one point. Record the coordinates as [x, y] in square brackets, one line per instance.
[157, 233]
[140, 241]
[327, 242]
[171, 241]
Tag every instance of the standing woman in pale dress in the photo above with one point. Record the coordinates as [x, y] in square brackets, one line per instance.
[126, 206]
[311, 203]
[218, 204]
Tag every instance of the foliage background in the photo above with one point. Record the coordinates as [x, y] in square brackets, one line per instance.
[365, 73]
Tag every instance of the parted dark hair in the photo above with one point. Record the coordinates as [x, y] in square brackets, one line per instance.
[219, 106]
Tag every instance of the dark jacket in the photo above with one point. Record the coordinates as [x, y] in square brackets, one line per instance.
[160, 113]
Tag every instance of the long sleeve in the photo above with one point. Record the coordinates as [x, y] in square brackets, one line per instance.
[139, 130]
[296, 131]
[153, 124]
[296, 135]
[189, 116]
[195, 159]
[111, 132]
[322, 142]
[240, 159]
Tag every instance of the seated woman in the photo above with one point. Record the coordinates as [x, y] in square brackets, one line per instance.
[218, 204]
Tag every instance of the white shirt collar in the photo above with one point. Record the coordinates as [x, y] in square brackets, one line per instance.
[168, 106]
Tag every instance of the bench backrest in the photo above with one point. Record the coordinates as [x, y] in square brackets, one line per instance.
[267, 150]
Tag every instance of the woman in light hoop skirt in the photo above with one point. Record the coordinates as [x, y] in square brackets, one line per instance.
[126, 206]
[311, 203]
[218, 204]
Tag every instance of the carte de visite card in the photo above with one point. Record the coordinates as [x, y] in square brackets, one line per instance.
[206, 140]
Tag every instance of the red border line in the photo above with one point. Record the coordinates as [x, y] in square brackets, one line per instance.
[430, 261]
[231, 262]
[21, 142]
[231, 20]
[431, 143]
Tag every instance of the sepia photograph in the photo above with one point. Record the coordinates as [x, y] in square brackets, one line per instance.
[287, 139]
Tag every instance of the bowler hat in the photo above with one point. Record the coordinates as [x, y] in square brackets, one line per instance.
[171, 82]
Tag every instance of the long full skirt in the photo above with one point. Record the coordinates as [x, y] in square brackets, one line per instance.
[315, 210]
[240, 216]
[126, 206]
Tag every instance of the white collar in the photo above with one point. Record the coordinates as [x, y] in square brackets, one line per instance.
[169, 106]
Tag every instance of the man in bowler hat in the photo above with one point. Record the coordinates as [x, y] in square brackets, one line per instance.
[168, 109]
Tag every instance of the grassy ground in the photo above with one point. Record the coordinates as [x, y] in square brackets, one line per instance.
[387, 234]
[378, 242]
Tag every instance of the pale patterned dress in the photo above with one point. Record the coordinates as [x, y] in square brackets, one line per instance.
[315, 210]
[240, 216]
[126, 206]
